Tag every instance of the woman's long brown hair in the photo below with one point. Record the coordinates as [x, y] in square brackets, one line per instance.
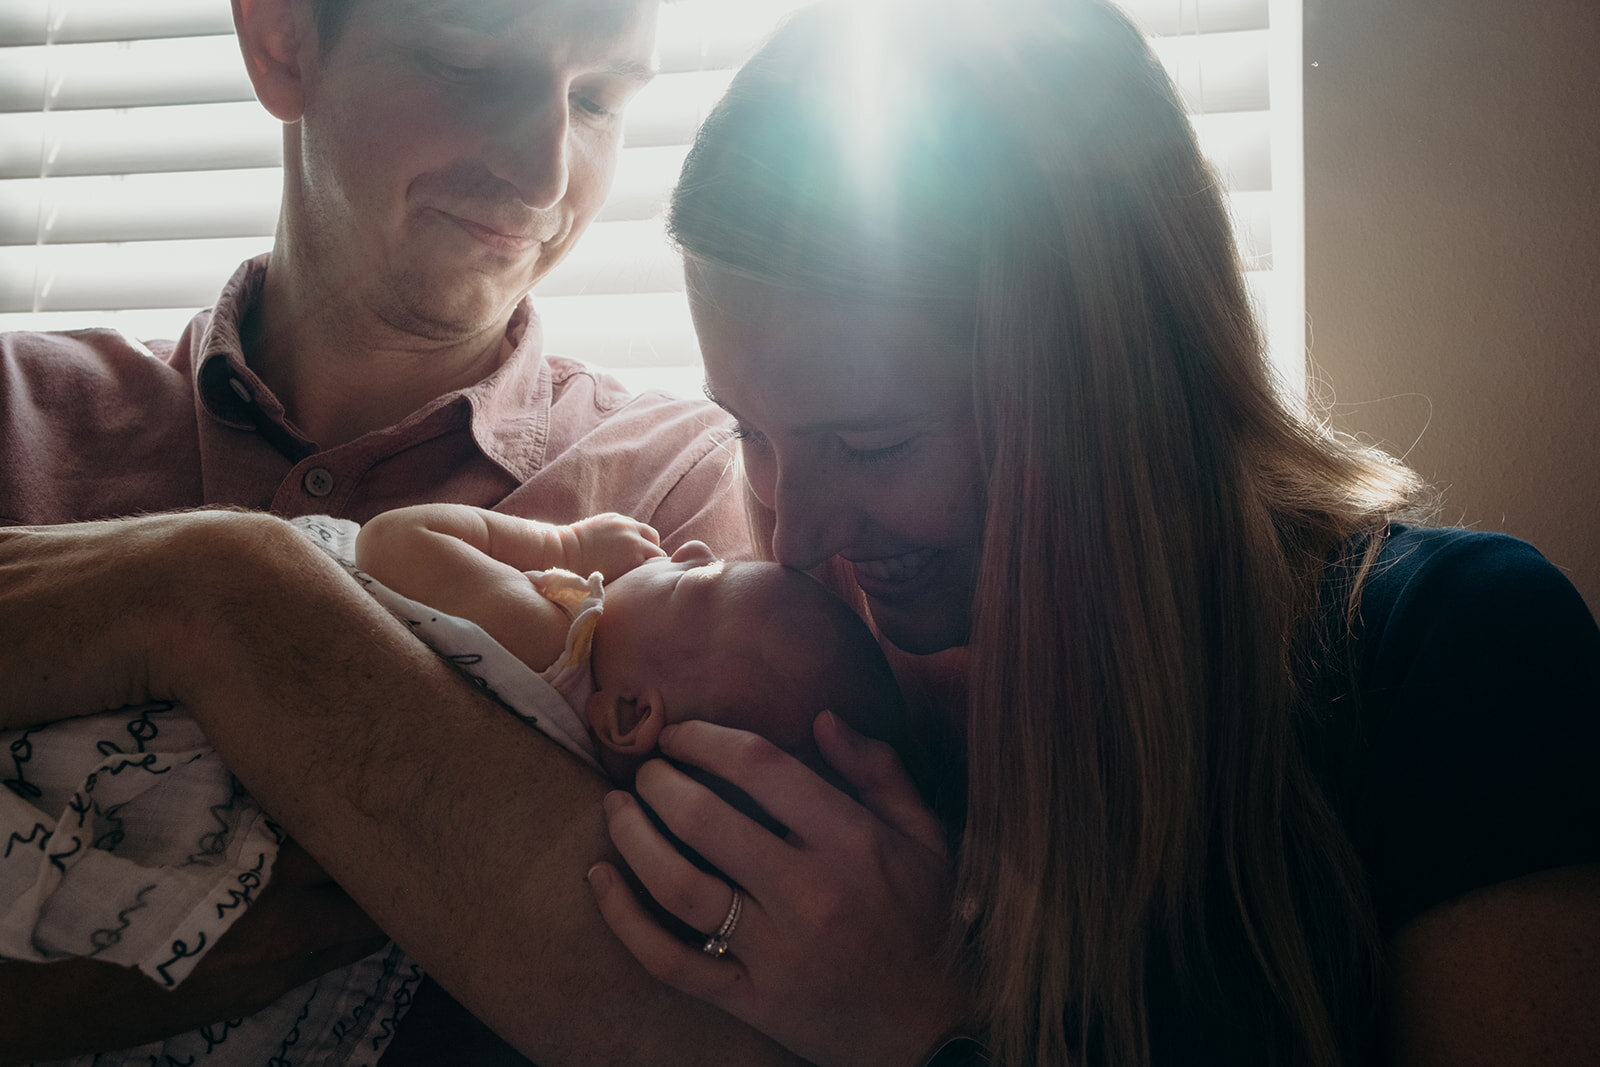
[1146, 820]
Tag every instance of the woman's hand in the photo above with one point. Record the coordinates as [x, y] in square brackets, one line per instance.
[837, 951]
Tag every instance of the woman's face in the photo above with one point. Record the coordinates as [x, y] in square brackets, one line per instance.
[857, 431]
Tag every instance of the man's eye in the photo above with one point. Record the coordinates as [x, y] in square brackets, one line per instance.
[595, 108]
[445, 70]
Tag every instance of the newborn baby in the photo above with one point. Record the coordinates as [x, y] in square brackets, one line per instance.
[634, 639]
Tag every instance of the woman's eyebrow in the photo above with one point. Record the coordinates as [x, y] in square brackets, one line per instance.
[864, 424]
[860, 424]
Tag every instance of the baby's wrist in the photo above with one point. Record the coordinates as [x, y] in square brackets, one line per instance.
[572, 549]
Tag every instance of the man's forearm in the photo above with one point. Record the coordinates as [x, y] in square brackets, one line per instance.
[463, 833]
[81, 608]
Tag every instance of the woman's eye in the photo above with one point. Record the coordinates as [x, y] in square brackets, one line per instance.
[748, 437]
[877, 454]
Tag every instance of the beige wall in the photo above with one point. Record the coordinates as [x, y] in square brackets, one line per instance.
[1453, 252]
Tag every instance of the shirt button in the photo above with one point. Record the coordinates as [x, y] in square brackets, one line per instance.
[318, 481]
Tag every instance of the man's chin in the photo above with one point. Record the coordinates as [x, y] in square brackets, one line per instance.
[446, 317]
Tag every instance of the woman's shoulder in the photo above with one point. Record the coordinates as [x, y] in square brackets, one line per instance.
[1478, 668]
[1425, 576]
[1476, 615]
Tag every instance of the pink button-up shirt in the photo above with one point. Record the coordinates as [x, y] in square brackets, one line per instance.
[94, 425]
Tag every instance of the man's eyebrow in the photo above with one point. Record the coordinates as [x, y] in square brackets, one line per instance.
[475, 16]
[485, 18]
[632, 70]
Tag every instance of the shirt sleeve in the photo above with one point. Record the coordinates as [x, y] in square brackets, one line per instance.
[707, 504]
[1481, 687]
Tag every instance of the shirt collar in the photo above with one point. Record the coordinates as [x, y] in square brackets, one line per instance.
[508, 411]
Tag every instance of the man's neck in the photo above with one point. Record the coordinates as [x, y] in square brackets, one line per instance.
[340, 371]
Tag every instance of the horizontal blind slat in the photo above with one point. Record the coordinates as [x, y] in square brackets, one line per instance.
[202, 70]
[142, 324]
[617, 257]
[236, 202]
[29, 22]
[141, 140]
[1162, 18]
[612, 258]
[690, 30]
[1217, 72]
[108, 276]
[1239, 145]
[184, 70]
[237, 135]
[244, 202]
[140, 207]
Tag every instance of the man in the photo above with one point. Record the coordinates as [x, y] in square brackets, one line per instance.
[440, 157]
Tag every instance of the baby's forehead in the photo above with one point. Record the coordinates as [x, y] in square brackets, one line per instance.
[771, 588]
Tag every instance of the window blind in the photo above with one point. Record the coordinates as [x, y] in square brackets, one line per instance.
[136, 169]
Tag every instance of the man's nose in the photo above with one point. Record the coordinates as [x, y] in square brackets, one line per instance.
[814, 522]
[530, 150]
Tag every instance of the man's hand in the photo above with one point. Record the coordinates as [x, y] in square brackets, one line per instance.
[301, 926]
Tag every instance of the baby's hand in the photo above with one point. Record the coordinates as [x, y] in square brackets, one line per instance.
[611, 544]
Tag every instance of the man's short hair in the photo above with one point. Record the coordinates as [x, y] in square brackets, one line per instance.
[332, 15]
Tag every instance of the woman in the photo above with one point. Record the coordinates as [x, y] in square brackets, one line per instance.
[1232, 739]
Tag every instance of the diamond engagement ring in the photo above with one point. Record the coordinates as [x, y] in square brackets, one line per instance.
[716, 945]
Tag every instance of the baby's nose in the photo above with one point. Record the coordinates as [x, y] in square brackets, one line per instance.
[694, 552]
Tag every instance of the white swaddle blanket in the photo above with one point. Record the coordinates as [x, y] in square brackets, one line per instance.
[127, 840]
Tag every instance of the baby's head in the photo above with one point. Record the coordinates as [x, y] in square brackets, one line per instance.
[754, 646]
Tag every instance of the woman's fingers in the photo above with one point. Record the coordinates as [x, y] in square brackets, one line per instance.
[838, 944]
[784, 787]
[880, 780]
[668, 959]
[727, 838]
[701, 900]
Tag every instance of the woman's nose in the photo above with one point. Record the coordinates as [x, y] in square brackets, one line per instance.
[813, 522]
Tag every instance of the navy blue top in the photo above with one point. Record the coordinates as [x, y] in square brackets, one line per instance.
[1478, 666]
[1459, 741]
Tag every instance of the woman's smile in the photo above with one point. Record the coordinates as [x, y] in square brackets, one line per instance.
[884, 575]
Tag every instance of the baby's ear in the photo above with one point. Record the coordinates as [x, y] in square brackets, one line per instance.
[630, 725]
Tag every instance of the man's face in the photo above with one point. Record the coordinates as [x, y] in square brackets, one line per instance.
[452, 151]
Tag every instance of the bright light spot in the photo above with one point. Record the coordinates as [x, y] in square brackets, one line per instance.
[862, 104]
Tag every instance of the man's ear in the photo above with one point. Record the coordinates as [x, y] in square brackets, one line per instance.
[629, 725]
[274, 37]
